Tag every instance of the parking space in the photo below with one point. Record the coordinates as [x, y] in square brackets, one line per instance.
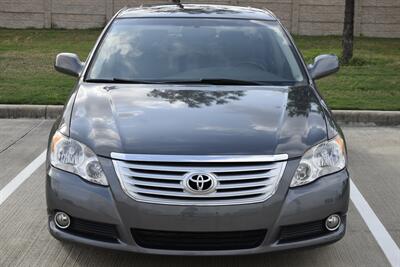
[374, 160]
[375, 168]
[21, 141]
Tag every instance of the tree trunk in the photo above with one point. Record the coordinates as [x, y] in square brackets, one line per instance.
[348, 31]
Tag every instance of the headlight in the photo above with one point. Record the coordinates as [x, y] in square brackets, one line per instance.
[71, 156]
[322, 159]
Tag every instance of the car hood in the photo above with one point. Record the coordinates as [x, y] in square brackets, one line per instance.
[197, 120]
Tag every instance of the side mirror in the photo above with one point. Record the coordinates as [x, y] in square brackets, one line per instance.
[69, 64]
[324, 65]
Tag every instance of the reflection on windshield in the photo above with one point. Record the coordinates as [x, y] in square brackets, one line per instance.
[197, 99]
[196, 49]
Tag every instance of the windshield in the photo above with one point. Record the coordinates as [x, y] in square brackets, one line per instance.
[193, 50]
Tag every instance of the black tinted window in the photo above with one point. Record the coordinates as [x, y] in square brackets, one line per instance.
[169, 49]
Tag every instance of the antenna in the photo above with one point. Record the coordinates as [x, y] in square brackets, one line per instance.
[178, 3]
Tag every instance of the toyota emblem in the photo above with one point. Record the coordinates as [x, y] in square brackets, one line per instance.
[200, 183]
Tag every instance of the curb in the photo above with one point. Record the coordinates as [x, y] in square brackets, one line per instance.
[30, 111]
[343, 117]
[367, 117]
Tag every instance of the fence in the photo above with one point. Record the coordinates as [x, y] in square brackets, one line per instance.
[378, 18]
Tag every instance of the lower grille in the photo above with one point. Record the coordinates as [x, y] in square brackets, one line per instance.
[93, 230]
[302, 231]
[163, 179]
[198, 241]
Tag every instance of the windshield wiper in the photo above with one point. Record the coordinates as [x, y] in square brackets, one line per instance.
[118, 80]
[201, 81]
[215, 82]
[237, 82]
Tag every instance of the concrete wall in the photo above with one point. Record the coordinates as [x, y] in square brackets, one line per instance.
[380, 18]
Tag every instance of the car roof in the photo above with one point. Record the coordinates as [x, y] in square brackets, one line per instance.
[197, 11]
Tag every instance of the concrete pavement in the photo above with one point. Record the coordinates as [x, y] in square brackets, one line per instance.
[24, 240]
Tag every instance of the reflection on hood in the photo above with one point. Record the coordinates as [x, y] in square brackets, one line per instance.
[197, 120]
[196, 99]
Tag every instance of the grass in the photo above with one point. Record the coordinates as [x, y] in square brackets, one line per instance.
[26, 64]
[371, 80]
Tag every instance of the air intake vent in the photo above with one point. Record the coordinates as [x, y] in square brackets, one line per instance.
[93, 230]
[302, 231]
[198, 241]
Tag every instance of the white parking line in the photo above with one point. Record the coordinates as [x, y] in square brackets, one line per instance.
[21, 177]
[377, 229]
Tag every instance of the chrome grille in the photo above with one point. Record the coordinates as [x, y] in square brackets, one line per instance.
[159, 178]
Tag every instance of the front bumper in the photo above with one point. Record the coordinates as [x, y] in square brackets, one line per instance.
[110, 205]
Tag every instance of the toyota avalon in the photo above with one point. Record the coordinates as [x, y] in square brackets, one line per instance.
[196, 130]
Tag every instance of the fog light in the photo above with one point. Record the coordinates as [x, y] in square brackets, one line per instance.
[62, 220]
[333, 222]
